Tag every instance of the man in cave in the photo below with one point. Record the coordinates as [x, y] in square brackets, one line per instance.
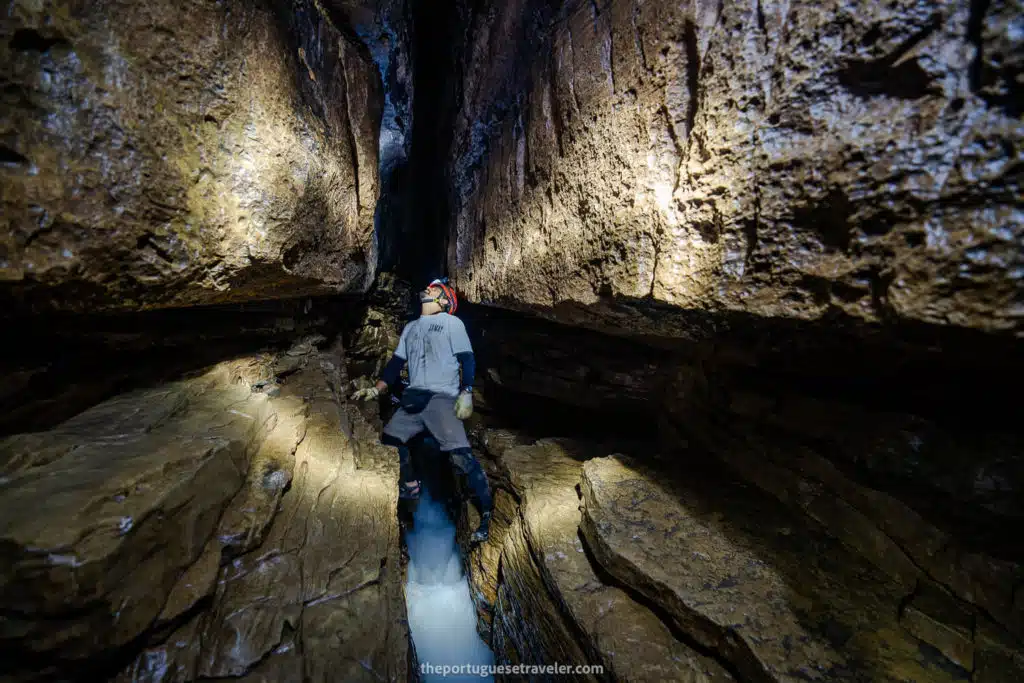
[438, 397]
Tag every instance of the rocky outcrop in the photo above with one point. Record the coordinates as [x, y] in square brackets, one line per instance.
[631, 166]
[630, 640]
[158, 158]
[919, 481]
[673, 567]
[769, 591]
[237, 523]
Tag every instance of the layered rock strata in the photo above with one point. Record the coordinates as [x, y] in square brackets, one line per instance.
[240, 523]
[675, 568]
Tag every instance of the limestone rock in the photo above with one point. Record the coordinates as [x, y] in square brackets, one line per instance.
[527, 627]
[899, 528]
[627, 638]
[484, 560]
[235, 535]
[763, 588]
[159, 158]
[629, 165]
[104, 531]
[997, 656]
[936, 619]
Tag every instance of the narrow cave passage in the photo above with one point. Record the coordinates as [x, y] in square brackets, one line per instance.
[742, 280]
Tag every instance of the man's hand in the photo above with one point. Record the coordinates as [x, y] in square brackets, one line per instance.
[370, 393]
[464, 405]
[367, 394]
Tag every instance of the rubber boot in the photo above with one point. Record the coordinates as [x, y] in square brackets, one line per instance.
[406, 471]
[483, 531]
[463, 459]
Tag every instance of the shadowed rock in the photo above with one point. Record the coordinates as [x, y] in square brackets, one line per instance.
[630, 640]
[763, 588]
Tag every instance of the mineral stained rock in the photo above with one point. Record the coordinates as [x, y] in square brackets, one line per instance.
[156, 157]
[620, 163]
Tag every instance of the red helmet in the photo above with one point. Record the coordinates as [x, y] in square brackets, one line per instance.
[449, 293]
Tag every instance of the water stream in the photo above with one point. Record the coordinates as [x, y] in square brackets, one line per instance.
[442, 616]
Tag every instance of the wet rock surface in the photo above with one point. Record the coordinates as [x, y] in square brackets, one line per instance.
[628, 165]
[232, 524]
[154, 158]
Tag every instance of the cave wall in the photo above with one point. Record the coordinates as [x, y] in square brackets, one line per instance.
[805, 217]
[386, 28]
[628, 164]
[154, 157]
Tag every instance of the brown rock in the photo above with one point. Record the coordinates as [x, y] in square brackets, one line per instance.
[774, 159]
[174, 660]
[527, 627]
[328, 567]
[133, 542]
[157, 158]
[938, 620]
[124, 516]
[629, 640]
[484, 560]
[998, 657]
[889, 531]
[761, 587]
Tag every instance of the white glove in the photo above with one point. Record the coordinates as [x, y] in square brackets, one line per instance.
[367, 394]
[464, 405]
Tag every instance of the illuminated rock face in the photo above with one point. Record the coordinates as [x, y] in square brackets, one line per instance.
[780, 159]
[157, 157]
[239, 522]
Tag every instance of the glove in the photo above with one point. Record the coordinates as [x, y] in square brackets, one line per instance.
[367, 394]
[464, 405]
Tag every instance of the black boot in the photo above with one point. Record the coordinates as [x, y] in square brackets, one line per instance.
[482, 531]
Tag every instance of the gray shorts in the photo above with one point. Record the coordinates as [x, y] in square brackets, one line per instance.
[438, 417]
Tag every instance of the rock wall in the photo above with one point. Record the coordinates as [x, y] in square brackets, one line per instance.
[917, 483]
[154, 157]
[241, 522]
[670, 566]
[631, 164]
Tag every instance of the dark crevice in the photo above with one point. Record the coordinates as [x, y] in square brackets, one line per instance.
[975, 26]
[349, 124]
[830, 220]
[638, 43]
[148, 241]
[895, 74]
[11, 158]
[30, 40]
[762, 24]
